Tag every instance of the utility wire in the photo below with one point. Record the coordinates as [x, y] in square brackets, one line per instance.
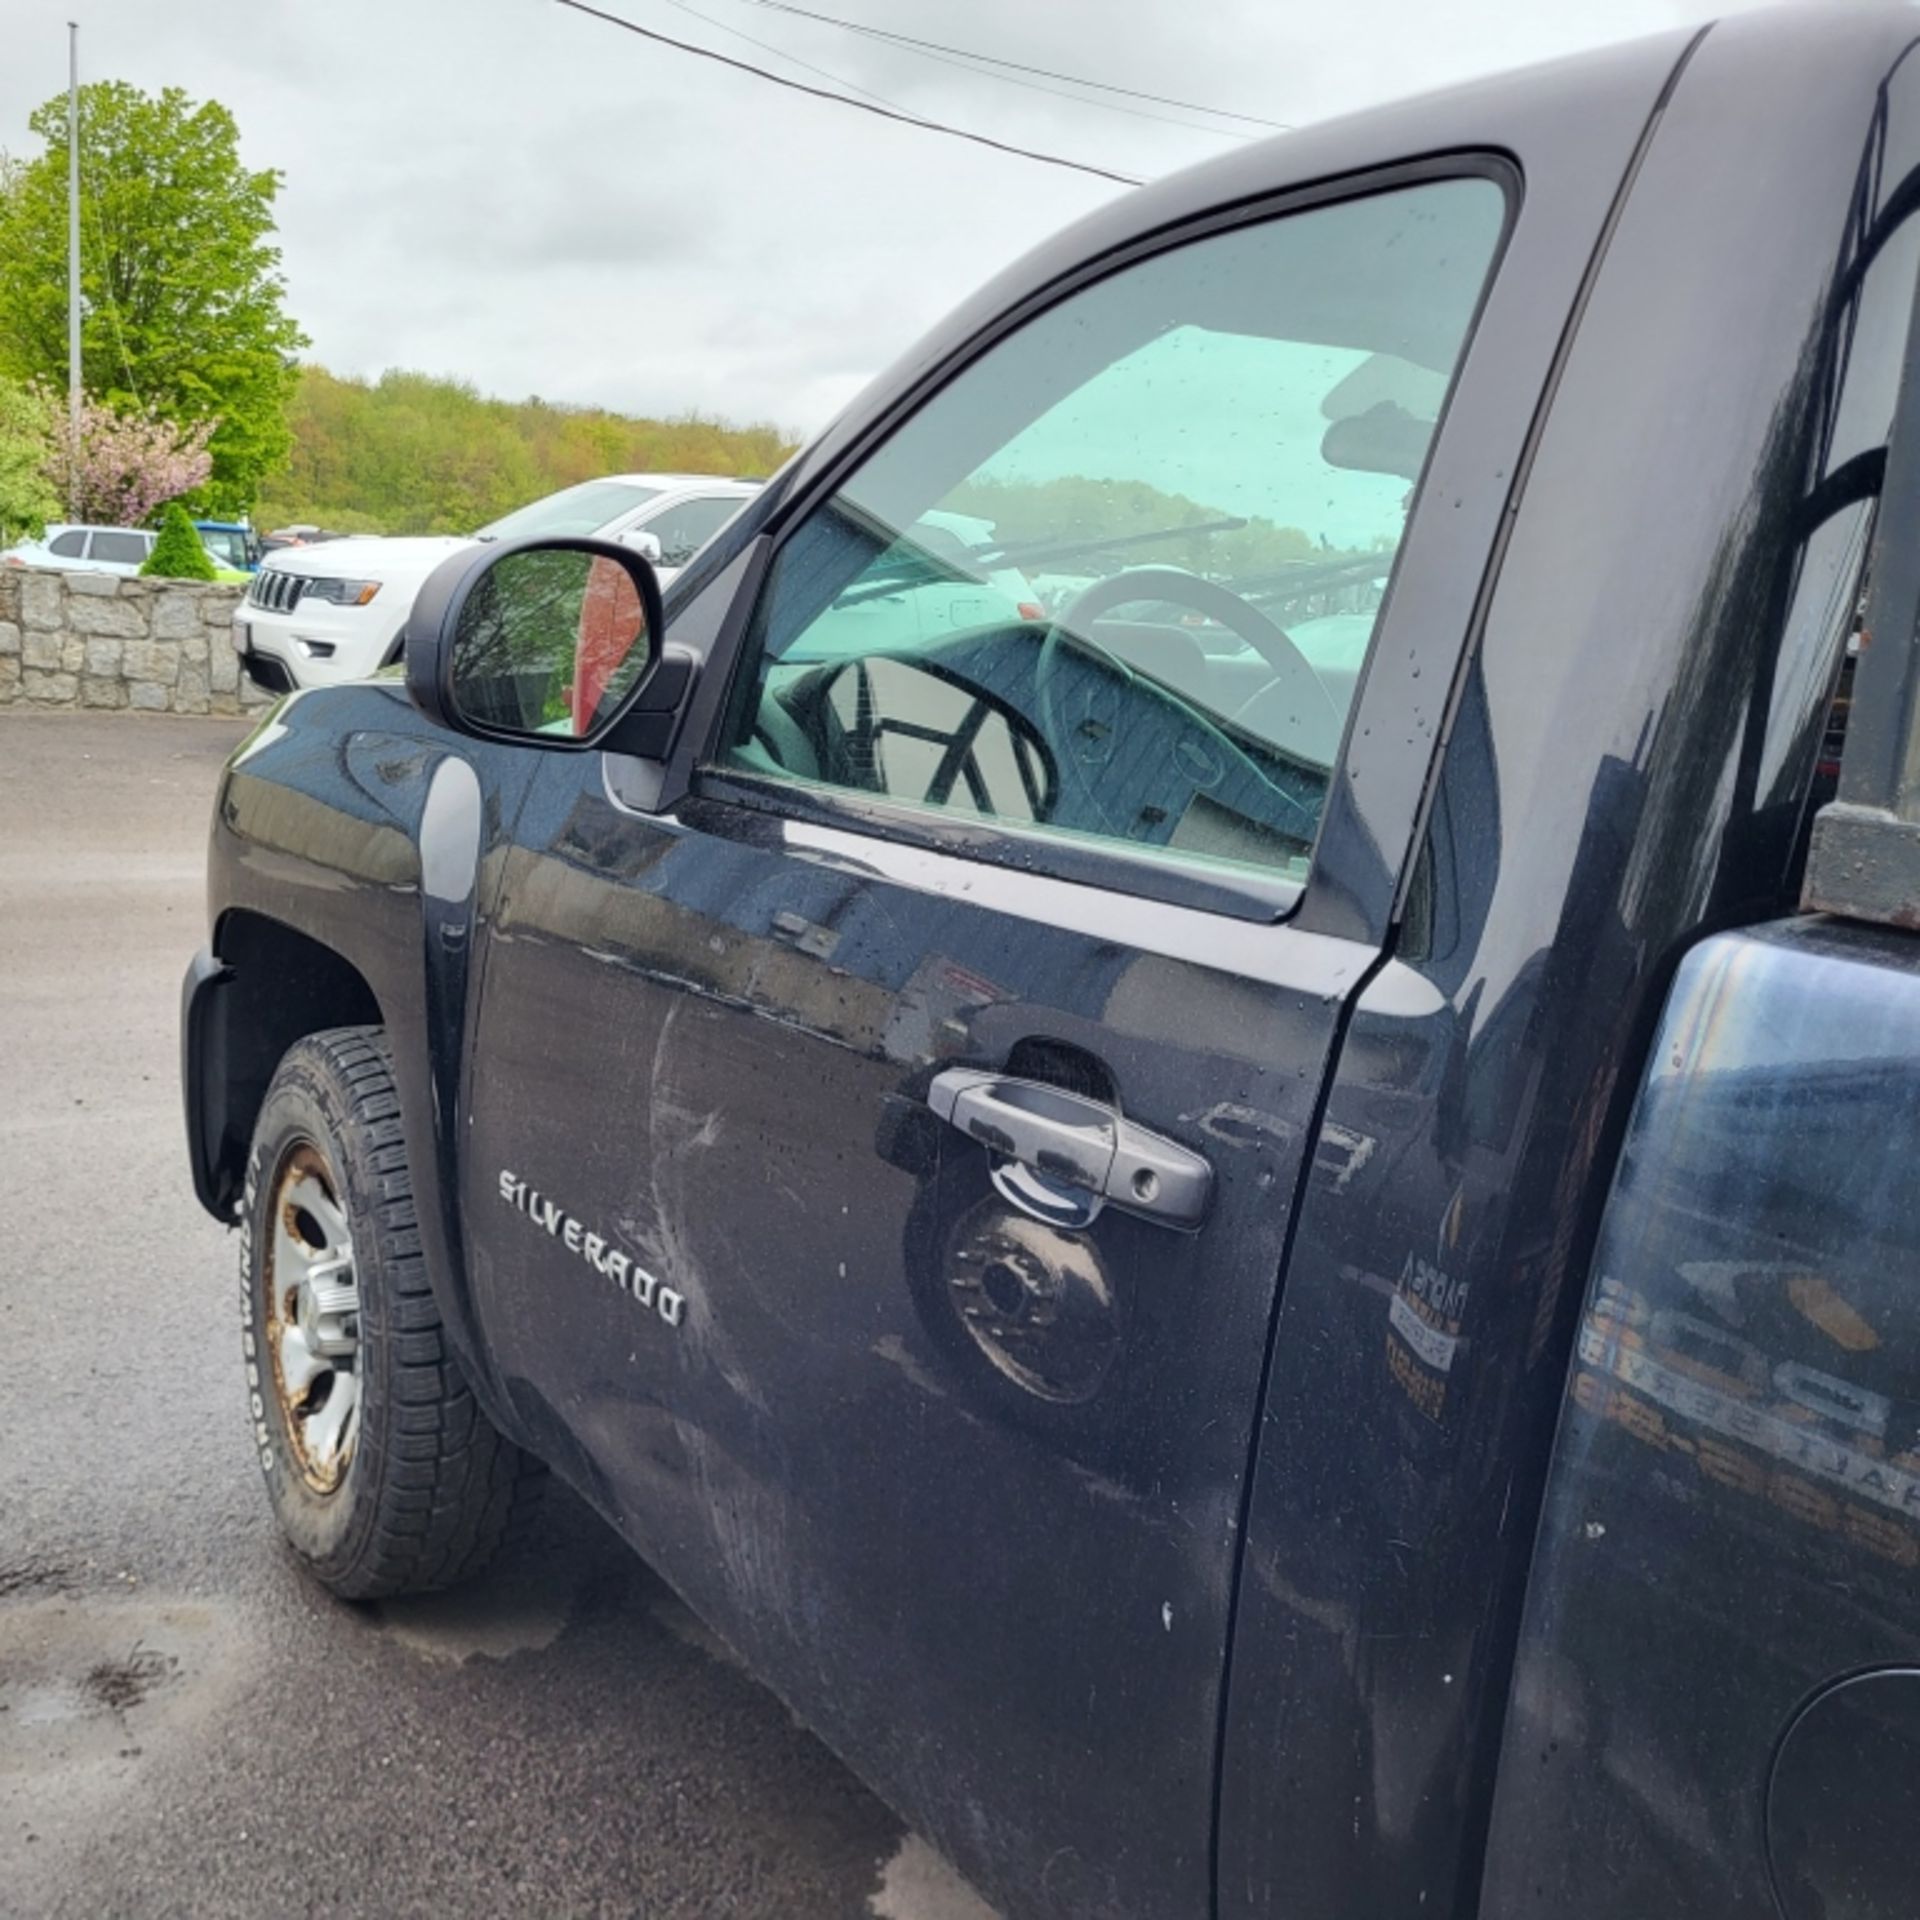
[994, 60]
[792, 59]
[90, 217]
[843, 100]
[962, 63]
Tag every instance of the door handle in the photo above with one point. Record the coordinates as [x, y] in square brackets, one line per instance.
[1074, 1143]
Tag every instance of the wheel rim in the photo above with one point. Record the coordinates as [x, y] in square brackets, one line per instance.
[313, 1317]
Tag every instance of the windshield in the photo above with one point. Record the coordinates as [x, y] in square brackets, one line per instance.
[575, 510]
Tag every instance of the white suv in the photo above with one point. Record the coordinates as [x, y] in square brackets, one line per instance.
[76, 549]
[316, 615]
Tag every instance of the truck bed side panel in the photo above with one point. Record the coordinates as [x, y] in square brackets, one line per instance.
[1630, 760]
[1733, 1518]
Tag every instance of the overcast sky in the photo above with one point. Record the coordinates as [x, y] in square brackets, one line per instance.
[529, 199]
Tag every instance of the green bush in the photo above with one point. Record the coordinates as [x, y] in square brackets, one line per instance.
[179, 553]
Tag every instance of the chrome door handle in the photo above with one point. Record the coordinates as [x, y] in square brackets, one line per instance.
[1075, 1143]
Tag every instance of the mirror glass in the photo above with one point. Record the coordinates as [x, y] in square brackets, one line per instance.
[549, 641]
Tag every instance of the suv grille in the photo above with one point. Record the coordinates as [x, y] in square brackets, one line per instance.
[277, 591]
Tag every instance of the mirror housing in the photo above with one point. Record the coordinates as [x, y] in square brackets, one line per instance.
[446, 612]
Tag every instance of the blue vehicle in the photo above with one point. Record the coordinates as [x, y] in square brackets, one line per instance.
[231, 542]
[1251, 1226]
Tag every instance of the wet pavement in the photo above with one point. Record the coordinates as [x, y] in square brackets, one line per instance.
[187, 1725]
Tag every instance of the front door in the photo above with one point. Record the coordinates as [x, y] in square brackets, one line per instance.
[880, 1165]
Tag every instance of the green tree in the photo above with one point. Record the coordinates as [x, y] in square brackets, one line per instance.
[413, 454]
[184, 304]
[28, 426]
[179, 553]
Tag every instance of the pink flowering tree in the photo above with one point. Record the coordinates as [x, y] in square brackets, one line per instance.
[126, 465]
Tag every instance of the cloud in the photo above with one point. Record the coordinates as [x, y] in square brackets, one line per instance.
[526, 198]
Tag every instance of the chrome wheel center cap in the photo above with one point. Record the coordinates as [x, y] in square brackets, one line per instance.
[327, 1310]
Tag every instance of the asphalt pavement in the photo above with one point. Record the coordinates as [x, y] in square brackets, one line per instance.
[187, 1725]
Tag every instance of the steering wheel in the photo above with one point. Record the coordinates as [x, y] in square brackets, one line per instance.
[1316, 721]
[812, 742]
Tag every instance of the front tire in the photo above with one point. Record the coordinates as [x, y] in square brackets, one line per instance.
[385, 1475]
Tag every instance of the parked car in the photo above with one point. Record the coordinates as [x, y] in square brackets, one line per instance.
[71, 548]
[300, 534]
[1247, 1329]
[84, 549]
[233, 543]
[336, 611]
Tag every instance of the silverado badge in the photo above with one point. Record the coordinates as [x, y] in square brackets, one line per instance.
[595, 1249]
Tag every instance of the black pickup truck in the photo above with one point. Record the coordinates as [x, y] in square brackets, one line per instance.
[1199, 1088]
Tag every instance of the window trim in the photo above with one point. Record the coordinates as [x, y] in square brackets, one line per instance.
[1168, 875]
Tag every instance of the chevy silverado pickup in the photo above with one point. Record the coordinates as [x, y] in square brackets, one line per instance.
[1250, 1224]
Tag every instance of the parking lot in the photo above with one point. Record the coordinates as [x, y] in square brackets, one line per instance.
[186, 1724]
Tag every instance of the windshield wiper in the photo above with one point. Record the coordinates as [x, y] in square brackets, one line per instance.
[1311, 576]
[1022, 552]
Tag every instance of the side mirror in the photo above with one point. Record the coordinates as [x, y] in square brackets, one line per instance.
[646, 544]
[550, 642]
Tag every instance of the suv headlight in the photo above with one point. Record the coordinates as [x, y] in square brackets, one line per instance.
[342, 593]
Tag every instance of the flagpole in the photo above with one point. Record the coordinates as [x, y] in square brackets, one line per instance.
[73, 269]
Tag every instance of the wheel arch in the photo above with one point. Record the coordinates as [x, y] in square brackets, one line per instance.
[263, 986]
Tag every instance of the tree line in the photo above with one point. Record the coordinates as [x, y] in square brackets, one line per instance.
[409, 453]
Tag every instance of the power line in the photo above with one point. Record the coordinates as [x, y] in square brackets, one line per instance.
[962, 63]
[88, 211]
[92, 217]
[841, 99]
[994, 60]
[792, 59]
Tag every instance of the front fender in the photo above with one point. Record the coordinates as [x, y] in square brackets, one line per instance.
[354, 855]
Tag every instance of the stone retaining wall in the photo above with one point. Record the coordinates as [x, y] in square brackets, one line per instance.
[97, 640]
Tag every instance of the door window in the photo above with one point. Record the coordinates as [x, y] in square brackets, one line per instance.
[69, 546]
[1119, 578]
[122, 549]
[684, 529]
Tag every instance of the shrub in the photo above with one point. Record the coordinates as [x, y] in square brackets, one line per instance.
[179, 553]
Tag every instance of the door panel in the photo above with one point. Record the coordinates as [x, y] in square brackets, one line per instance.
[954, 1455]
[990, 1558]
